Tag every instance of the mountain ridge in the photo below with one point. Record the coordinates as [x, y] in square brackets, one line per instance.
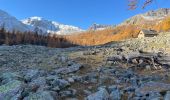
[35, 24]
[148, 17]
[51, 26]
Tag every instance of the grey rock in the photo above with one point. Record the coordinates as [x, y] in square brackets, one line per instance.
[63, 59]
[115, 95]
[78, 78]
[68, 93]
[31, 74]
[148, 67]
[90, 77]
[158, 13]
[71, 80]
[43, 95]
[11, 90]
[71, 99]
[40, 82]
[52, 77]
[103, 79]
[102, 94]
[9, 76]
[154, 96]
[135, 81]
[100, 27]
[69, 69]
[56, 88]
[152, 87]
[87, 92]
[167, 96]
[112, 88]
[61, 83]
[130, 89]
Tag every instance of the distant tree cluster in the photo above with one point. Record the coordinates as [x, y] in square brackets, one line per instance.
[164, 25]
[15, 38]
[99, 37]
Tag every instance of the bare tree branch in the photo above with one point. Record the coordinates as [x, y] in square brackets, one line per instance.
[133, 4]
[147, 2]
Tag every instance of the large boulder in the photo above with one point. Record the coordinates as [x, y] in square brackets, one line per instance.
[69, 69]
[31, 74]
[60, 83]
[115, 93]
[167, 96]
[40, 83]
[11, 90]
[102, 94]
[68, 93]
[152, 87]
[9, 76]
[43, 95]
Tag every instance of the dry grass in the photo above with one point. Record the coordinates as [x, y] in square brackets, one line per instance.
[91, 60]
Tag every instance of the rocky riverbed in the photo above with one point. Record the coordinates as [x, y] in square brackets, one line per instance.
[130, 70]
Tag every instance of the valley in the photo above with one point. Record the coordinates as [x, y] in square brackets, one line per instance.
[131, 69]
[41, 59]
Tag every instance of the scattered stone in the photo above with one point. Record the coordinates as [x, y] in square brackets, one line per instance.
[87, 92]
[11, 90]
[31, 74]
[63, 59]
[152, 87]
[112, 88]
[56, 88]
[115, 95]
[39, 82]
[102, 94]
[148, 67]
[69, 69]
[43, 95]
[71, 80]
[167, 96]
[9, 76]
[52, 77]
[61, 83]
[36, 72]
[68, 93]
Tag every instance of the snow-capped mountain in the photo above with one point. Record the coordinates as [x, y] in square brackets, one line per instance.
[10, 23]
[42, 26]
[53, 27]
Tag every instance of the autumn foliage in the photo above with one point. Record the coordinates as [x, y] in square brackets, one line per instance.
[104, 36]
[163, 25]
[118, 33]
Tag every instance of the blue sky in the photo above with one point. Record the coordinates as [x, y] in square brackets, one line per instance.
[81, 13]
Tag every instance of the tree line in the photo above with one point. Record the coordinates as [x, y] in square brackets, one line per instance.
[33, 38]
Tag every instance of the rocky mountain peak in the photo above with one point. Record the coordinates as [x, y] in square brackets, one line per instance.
[99, 26]
[158, 13]
[50, 26]
[148, 17]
